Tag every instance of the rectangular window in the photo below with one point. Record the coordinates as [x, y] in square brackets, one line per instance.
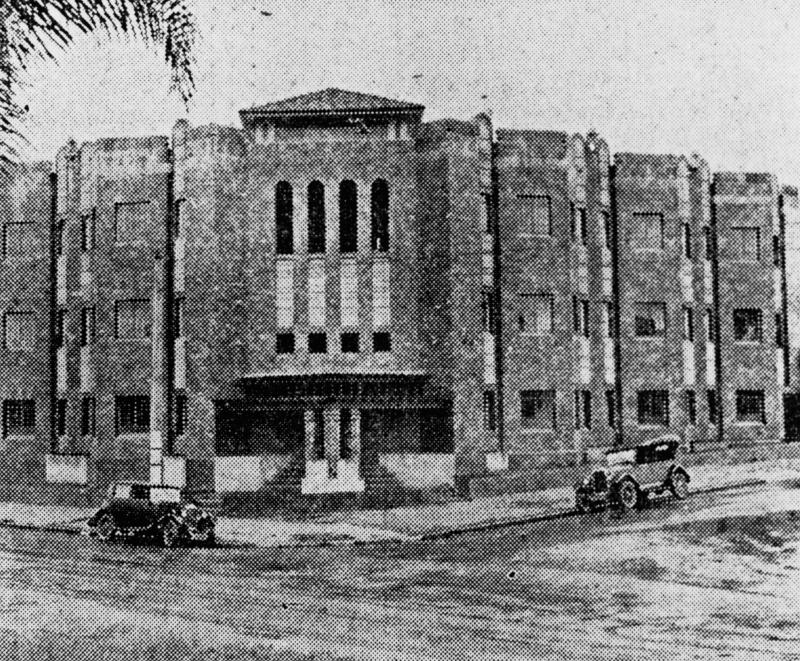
[747, 325]
[776, 250]
[317, 343]
[745, 244]
[349, 294]
[489, 411]
[284, 343]
[61, 328]
[691, 407]
[537, 409]
[750, 406]
[607, 230]
[87, 326]
[649, 319]
[535, 314]
[19, 417]
[132, 319]
[61, 417]
[132, 414]
[688, 324]
[19, 240]
[709, 245]
[381, 294]
[88, 422]
[687, 240]
[648, 231]
[178, 311]
[711, 397]
[653, 407]
[779, 330]
[132, 221]
[381, 342]
[608, 312]
[611, 409]
[583, 409]
[87, 231]
[316, 293]
[488, 312]
[578, 220]
[488, 225]
[18, 331]
[61, 234]
[284, 293]
[535, 216]
[350, 342]
[580, 316]
[181, 413]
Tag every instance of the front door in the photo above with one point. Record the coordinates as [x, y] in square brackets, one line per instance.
[791, 415]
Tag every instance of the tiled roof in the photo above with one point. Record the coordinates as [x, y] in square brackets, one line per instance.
[333, 101]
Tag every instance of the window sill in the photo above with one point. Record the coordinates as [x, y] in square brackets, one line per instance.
[750, 343]
[537, 430]
[642, 425]
[749, 423]
[649, 337]
[527, 235]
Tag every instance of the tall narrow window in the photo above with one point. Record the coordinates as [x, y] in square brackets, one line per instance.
[181, 413]
[580, 316]
[583, 409]
[710, 330]
[578, 220]
[609, 318]
[688, 324]
[61, 233]
[87, 326]
[691, 407]
[709, 248]
[687, 241]
[316, 217]
[87, 416]
[711, 397]
[380, 215]
[284, 212]
[348, 216]
[607, 229]
[61, 327]
[61, 417]
[489, 415]
[488, 311]
[776, 251]
[611, 409]
[87, 231]
[486, 205]
[779, 330]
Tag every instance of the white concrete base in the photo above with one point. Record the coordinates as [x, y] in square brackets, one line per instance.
[421, 471]
[317, 480]
[496, 461]
[66, 468]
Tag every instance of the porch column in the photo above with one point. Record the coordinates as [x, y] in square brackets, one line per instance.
[310, 430]
[355, 436]
[332, 439]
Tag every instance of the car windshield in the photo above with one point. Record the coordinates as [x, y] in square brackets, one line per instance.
[165, 495]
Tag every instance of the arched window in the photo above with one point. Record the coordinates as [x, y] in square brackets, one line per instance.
[348, 216]
[284, 235]
[380, 215]
[316, 217]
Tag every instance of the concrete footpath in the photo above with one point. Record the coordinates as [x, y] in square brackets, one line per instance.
[402, 523]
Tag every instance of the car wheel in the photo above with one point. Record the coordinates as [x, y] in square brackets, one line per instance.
[106, 528]
[628, 494]
[170, 534]
[679, 485]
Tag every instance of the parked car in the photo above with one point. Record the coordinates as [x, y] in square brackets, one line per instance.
[630, 475]
[151, 511]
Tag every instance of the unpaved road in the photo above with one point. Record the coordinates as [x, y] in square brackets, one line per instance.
[715, 577]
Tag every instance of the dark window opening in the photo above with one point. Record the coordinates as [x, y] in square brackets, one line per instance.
[711, 397]
[350, 342]
[607, 229]
[380, 215]
[580, 316]
[489, 410]
[87, 231]
[488, 312]
[284, 343]
[87, 326]
[487, 212]
[284, 212]
[19, 417]
[691, 407]
[688, 324]
[537, 409]
[381, 342]
[348, 216]
[317, 343]
[747, 325]
[578, 221]
[132, 414]
[779, 330]
[316, 217]
[750, 406]
[181, 413]
[709, 247]
[345, 433]
[583, 409]
[319, 434]
[649, 319]
[61, 417]
[88, 421]
[611, 409]
[776, 250]
[653, 407]
[687, 241]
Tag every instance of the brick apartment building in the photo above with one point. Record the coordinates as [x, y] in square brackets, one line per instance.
[340, 297]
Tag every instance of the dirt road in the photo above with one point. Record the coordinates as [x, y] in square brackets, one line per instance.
[715, 577]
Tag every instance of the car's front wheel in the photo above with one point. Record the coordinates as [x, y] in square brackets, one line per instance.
[628, 494]
[679, 485]
[170, 534]
[106, 528]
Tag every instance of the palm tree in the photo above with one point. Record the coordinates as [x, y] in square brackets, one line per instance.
[31, 29]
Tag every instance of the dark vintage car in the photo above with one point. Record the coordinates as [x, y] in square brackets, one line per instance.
[151, 511]
[631, 475]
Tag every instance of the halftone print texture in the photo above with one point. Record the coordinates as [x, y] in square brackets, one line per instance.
[344, 377]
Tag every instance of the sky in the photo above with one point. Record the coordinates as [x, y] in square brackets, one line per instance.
[718, 78]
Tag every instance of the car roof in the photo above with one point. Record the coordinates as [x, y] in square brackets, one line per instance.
[144, 484]
[661, 440]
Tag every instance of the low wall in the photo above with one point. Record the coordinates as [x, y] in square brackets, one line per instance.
[66, 468]
[247, 473]
[421, 471]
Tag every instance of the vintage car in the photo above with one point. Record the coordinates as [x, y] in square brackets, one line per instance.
[135, 509]
[631, 475]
